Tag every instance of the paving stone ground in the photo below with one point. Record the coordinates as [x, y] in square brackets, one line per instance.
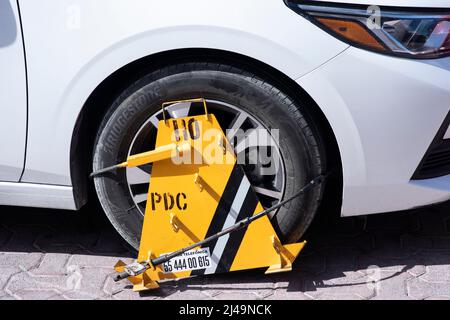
[49, 254]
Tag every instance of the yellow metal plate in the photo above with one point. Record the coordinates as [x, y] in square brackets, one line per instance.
[196, 194]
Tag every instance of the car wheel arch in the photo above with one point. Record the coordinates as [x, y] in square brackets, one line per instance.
[96, 106]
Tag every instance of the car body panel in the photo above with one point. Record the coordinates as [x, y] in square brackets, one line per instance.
[13, 94]
[86, 41]
[385, 113]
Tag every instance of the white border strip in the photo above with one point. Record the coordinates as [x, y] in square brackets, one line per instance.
[231, 220]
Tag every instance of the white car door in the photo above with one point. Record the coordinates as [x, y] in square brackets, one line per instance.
[13, 93]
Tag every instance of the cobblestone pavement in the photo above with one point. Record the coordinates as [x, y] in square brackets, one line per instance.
[46, 254]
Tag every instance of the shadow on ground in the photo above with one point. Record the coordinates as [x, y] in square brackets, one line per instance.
[386, 256]
[55, 231]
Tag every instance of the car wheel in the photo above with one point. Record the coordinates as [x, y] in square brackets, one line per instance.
[239, 100]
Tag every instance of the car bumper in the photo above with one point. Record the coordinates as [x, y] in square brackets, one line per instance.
[385, 113]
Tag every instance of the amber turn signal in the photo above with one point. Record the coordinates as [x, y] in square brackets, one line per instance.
[352, 31]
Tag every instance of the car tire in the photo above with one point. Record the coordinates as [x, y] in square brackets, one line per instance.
[299, 142]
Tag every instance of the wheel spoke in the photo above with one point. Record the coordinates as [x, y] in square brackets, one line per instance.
[267, 192]
[237, 124]
[155, 121]
[137, 176]
[179, 110]
[254, 138]
[138, 198]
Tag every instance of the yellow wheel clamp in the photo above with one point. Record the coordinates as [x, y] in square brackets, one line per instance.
[202, 215]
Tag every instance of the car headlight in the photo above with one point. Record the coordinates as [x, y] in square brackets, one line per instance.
[422, 33]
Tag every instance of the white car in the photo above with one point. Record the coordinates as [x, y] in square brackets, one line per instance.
[358, 88]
